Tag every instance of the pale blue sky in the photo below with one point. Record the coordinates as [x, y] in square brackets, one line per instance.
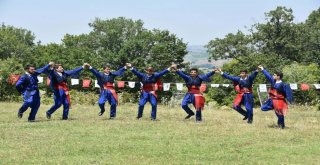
[196, 21]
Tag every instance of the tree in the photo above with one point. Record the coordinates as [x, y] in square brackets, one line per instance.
[15, 42]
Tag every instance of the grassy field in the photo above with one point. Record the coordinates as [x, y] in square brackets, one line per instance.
[222, 137]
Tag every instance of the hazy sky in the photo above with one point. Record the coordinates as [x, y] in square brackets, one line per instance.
[196, 21]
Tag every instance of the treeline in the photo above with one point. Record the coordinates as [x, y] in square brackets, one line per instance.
[278, 44]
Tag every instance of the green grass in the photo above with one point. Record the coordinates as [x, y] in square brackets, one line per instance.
[222, 138]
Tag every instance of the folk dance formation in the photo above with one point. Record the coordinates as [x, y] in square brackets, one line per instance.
[280, 93]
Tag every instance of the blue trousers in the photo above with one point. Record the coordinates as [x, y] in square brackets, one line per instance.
[32, 101]
[269, 106]
[60, 98]
[247, 101]
[189, 99]
[144, 98]
[106, 95]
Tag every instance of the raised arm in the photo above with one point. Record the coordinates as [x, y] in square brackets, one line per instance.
[183, 75]
[159, 74]
[74, 72]
[232, 78]
[95, 72]
[120, 71]
[137, 73]
[206, 77]
[253, 75]
[268, 76]
[45, 69]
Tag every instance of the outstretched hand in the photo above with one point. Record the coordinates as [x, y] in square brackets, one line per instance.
[51, 64]
[218, 70]
[260, 67]
[128, 65]
[174, 67]
[86, 65]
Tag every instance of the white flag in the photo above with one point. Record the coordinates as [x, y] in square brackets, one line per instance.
[225, 85]
[317, 86]
[179, 86]
[294, 86]
[74, 81]
[166, 86]
[263, 87]
[131, 84]
[214, 85]
[40, 79]
[96, 85]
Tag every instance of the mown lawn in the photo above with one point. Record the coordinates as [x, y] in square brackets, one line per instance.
[222, 138]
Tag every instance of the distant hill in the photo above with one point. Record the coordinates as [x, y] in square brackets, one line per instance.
[198, 57]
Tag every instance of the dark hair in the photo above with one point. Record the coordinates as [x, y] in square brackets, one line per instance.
[278, 73]
[56, 66]
[106, 66]
[244, 70]
[150, 68]
[29, 66]
[195, 69]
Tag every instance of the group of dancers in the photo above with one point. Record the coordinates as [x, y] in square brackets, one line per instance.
[27, 85]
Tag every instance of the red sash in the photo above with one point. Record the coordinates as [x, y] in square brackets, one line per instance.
[279, 103]
[241, 92]
[199, 100]
[194, 89]
[151, 88]
[64, 87]
[110, 87]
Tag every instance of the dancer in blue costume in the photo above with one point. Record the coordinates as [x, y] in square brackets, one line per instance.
[27, 85]
[108, 93]
[194, 96]
[279, 94]
[150, 86]
[244, 95]
[58, 82]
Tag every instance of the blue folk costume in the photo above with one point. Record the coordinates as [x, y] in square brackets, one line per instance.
[108, 92]
[194, 95]
[58, 82]
[27, 85]
[148, 92]
[278, 94]
[244, 95]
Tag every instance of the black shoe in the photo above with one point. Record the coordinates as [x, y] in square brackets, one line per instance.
[20, 115]
[64, 118]
[188, 117]
[282, 126]
[31, 120]
[48, 115]
[250, 121]
[138, 118]
[198, 121]
[245, 117]
[153, 119]
[112, 118]
[100, 113]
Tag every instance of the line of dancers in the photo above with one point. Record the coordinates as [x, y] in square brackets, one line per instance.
[279, 94]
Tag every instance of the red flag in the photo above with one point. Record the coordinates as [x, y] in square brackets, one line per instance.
[13, 78]
[203, 87]
[86, 83]
[120, 84]
[304, 87]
